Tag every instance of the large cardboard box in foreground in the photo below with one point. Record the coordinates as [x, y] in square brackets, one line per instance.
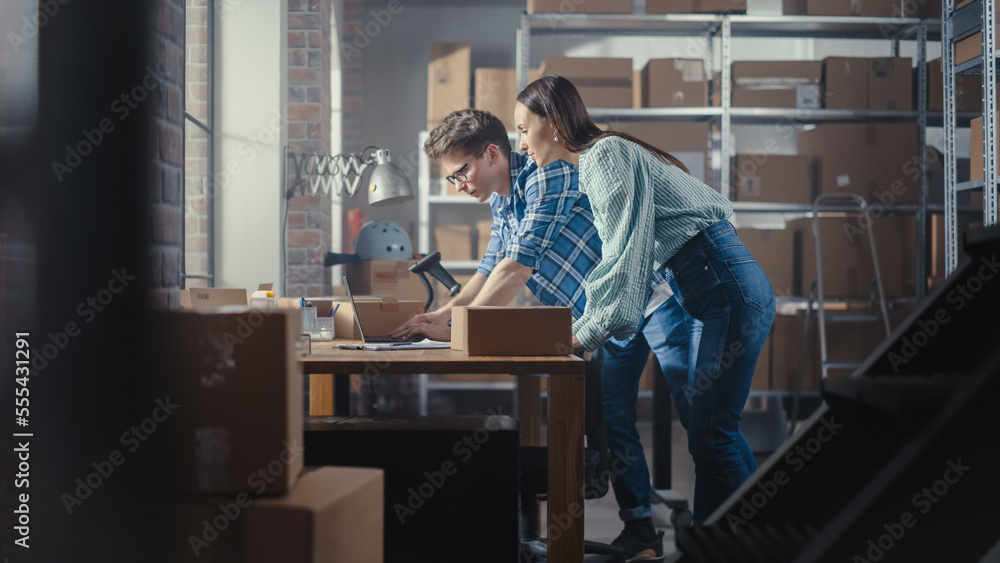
[449, 79]
[332, 514]
[237, 385]
[601, 81]
[385, 277]
[512, 331]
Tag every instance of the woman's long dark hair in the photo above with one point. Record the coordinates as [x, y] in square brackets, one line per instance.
[555, 99]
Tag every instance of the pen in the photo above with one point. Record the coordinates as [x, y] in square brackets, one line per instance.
[334, 310]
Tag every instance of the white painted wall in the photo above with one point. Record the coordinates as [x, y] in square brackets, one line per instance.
[250, 102]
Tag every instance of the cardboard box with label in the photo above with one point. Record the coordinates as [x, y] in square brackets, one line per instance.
[772, 178]
[777, 84]
[212, 297]
[968, 90]
[687, 141]
[878, 161]
[512, 331]
[385, 277]
[845, 83]
[603, 82]
[890, 84]
[449, 78]
[674, 83]
[237, 387]
[454, 242]
[579, 6]
[696, 6]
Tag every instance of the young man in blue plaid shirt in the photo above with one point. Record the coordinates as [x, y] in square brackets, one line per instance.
[543, 236]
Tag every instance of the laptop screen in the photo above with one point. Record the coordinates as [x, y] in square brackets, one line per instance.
[354, 308]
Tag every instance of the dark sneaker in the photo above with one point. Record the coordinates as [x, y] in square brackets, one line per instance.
[639, 551]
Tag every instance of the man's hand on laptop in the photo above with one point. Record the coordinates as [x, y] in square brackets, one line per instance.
[429, 325]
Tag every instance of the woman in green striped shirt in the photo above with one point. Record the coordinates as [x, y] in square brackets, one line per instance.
[652, 215]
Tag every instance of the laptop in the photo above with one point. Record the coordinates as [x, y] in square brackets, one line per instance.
[367, 338]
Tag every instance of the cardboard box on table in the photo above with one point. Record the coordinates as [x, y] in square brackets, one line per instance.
[512, 331]
[380, 314]
[385, 277]
[238, 389]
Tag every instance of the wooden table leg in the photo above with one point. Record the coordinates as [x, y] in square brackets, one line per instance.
[564, 522]
[529, 409]
[320, 394]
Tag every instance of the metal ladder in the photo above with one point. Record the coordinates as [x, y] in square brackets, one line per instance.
[816, 306]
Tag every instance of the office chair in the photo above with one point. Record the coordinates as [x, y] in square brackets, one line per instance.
[597, 460]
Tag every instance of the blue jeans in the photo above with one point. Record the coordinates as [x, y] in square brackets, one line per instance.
[717, 281]
[673, 338]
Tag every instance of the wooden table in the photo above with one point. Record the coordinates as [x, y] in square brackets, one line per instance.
[565, 415]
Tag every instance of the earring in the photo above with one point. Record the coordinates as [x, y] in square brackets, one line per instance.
[555, 138]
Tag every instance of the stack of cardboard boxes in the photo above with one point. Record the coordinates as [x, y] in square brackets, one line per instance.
[232, 448]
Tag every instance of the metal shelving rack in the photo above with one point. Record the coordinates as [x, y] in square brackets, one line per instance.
[976, 16]
[725, 28]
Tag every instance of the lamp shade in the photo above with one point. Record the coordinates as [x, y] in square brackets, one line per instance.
[387, 184]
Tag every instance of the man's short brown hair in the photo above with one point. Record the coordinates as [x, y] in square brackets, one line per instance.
[468, 131]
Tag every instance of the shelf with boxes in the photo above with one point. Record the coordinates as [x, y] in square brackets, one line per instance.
[969, 40]
[848, 135]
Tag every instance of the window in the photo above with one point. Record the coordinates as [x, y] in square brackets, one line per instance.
[199, 260]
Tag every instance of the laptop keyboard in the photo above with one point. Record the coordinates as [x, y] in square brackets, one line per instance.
[387, 339]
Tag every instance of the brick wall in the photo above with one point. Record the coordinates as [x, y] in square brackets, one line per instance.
[166, 148]
[309, 222]
[196, 180]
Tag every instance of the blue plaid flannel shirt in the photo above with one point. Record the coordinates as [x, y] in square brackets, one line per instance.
[547, 225]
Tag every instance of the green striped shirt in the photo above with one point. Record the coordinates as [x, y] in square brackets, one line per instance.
[644, 210]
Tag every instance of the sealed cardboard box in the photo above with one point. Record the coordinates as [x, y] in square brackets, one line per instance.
[495, 92]
[602, 82]
[332, 514]
[779, 254]
[890, 84]
[484, 230]
[449, 77]
[230, 400]
[976, 151]
[816, 7]
[863, 8]
[968, 90]
[687, 141]
[512, 331]
[845, 83]
[969, 48]
[579, 6]
[772, 177]
[777, 84]
[212, 297]
[878, 161]
[380, 314]
[385, 277]
[696, 6]
[848, 266]
[674, 83]
[454, 242]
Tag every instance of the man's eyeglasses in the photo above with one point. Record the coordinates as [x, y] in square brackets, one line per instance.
[459, 175]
